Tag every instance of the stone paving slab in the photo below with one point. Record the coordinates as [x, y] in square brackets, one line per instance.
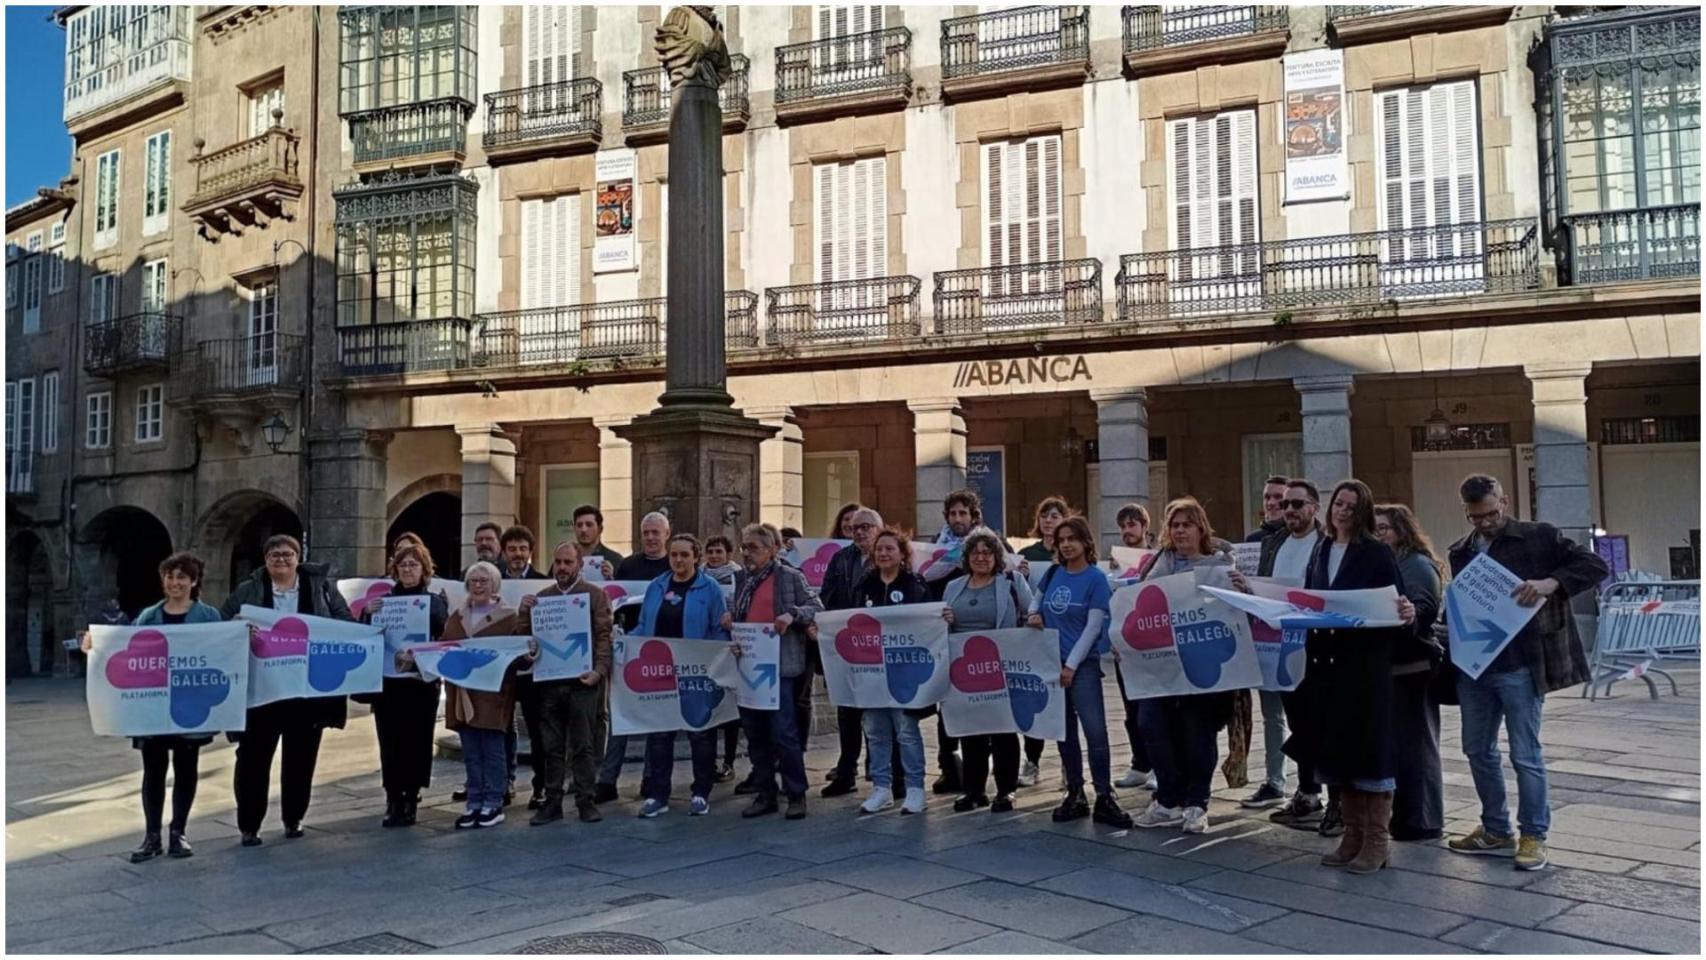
[889, 925]
[1629, 928]
[1147, 934]
[1223, 913]
[1493, 937]
[1316, 934]
[1026, 909]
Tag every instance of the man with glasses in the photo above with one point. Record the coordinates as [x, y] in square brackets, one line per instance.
[845, 570]
[1546, 655]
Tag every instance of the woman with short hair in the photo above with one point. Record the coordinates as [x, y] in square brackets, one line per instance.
[891, 582]
[405, 711]
[986, 598]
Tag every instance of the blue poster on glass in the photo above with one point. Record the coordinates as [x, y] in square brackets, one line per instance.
[986, 473]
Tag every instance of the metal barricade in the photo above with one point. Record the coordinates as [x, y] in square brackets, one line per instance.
[1642, 624]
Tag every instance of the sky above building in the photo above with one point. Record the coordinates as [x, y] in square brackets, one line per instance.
[38, 150]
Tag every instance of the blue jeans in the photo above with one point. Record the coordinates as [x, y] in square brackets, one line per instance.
[883, 727]
[1273, 737]
[1084, 706]
[1181, 732]
[615, 752]
[1510, 696]
[774, 744]
[488, 775]
[660, 763]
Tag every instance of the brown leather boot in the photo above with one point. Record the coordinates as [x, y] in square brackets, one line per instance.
[1377, 835]
[1352, 805]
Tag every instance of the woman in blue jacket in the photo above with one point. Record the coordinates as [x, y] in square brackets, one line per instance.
[683, 604]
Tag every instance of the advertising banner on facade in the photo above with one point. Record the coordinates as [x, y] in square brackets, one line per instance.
[880, 657]
[1315, 167]
[1005, 681]
[161, 680]
[297, 655]
[660, 685]
[986, 473]
[613, 220]
[1173, 638]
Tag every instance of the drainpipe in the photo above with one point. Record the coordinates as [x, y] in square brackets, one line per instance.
[313, 188]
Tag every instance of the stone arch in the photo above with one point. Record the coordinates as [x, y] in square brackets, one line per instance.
[230, 533]
[29, 605]
[450, 483]
[121, 550]
[436, 517]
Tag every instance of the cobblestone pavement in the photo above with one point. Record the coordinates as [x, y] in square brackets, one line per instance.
[1625, 777]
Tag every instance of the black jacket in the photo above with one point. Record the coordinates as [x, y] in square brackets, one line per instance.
[316, 596]
[1271, 543]
[1266, 530]
[845, 569]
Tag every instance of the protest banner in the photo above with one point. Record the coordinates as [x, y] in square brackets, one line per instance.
[476, 663]
[1283, 606]
[624, 593]
[935, 561]
[1481, 615]
[297, 655]
[1173, 638]
[1005, 681]
[811, 557]
[511, 591]
[1247, 557]
[1126, 563]
[161, 680]
[759, 665]
[879, 657]
[563, 626]
[405, 622]
[357, 591]
[662, 685]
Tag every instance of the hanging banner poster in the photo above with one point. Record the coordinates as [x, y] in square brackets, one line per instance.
[811, 557]
[935, 561]
[1297, 607]
[759, 664]
[613, 221]
[1126, 563]
[357, 591]
[476, 663]
[662, 685]
[1481, 614]
[563, 626]
[1005, 681]
[1315, 167]
[624, 593]
[1174, 638]
[163, 680]
[296, 655]
[405, 622]
[879, 657]
[986, 474]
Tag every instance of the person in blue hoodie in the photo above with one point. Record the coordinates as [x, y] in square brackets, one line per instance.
[683, 604]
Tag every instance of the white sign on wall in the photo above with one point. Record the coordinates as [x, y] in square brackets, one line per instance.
[613, 217]
[1315, 167]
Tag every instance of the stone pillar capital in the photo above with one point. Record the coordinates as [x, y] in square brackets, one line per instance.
[933, 405]
[771, 413]
[1330, 383]
[1115, 395]
[1557, 371]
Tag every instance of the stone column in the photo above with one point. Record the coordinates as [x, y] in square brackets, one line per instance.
[346, 515]
[695, 369]
[1326, 429]
[1122, 438]
[939, 445]
[1561, 447]
[615, 484]
[781, 468]
[488, 481]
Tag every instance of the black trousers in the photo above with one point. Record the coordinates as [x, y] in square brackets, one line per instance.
[803, 700]
[1005, 748]
[1181, 734]
[527, 700]
[1133, 730]
[1034, 750]
[1296, 713]
[731, 741]
[1419, 805]
[947, 756]
[286, 722]
[183, 758]
[404, 717]
[850, 727]
[571, 721]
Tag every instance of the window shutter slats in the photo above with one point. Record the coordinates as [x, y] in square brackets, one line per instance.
[825, 221]
[879, 216]
[861, 193]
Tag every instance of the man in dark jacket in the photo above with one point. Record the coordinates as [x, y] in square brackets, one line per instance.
[516, 547]
[846, 568]
[1546, 655]
[1273, 509]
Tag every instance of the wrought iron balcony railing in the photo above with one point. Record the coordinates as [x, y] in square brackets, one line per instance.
[1493, 257]
[862, 63]
[140, 341]
[241, 366]
[407, 346]
[258, 162]
[740, 319]
[1649, 243]
[1027, 296]
[864, 311]
[549, 336]
[1014, 39]
[646, 99]
[1152, 28]
[410, 130]
[549, 111]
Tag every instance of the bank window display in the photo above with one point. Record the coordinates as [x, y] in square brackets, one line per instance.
[566, 486]
[98, 420]
[1214, 205]
[830, 480]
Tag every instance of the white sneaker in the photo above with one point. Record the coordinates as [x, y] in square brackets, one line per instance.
[914, 802]
[1132, 778]
[1196, 820]
[1028, 774]
[1158, 816]
[1151, 784]
[881, 798]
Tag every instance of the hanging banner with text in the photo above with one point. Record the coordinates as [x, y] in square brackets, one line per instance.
[759, 664]
[986, 475]
[477, 663]
[1005, 681]
[613, 222]
[164, 680]
[563, 626]
[811, 557]
[1173, 638]
[663, 685]
[296, 655]
[405, 622]
[1481, 615]
[1128, 563]
[880, 657]
[1315, 167]
[357, 591]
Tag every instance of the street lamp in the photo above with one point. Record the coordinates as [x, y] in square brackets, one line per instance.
[274, 431]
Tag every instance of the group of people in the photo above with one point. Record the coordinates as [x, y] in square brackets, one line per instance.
[1363, 723]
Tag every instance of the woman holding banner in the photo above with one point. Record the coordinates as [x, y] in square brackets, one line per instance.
[1347, 687]
[682, 604]
[1180, 731]
[1418, 803]
[285, 583]
[891, 582]
[405, 712]
[479, 717]
[986, 598]
[180, 581]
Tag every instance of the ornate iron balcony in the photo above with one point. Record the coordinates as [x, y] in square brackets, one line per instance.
[410, 130]
[555, 336]
[1152, 28]
[1493, 257]
[141, 341]
[861, 311]
[411, 346]
[1649, 243]
[247, 183]
[740, 319]
[1016, 39]
[872, 68]
[1028, 296]
[240, 367]
[568, 112]
[646, 99]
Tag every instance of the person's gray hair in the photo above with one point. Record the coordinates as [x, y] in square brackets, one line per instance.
[875, 517]
[655, 515]
[487, 567]
[982, 537]
[762, 531]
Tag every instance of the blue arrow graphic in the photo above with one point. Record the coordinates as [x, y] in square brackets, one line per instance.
[763, 674]
[1472, 629]
[578, 643]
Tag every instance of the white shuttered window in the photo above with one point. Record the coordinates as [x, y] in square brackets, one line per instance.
[852, 220]
[1429, 170]
[1021, 212]
[550, 277]
[1214, 200]
[552, 36]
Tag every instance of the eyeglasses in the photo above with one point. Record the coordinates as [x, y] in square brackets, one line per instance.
[864, 526]
[1483, 515]
[282, 555]
[1296, 504]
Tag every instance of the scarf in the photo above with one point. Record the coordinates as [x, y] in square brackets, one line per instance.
[743, 597]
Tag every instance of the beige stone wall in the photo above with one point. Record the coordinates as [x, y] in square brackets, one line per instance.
[1014, 116]
[850, 138]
